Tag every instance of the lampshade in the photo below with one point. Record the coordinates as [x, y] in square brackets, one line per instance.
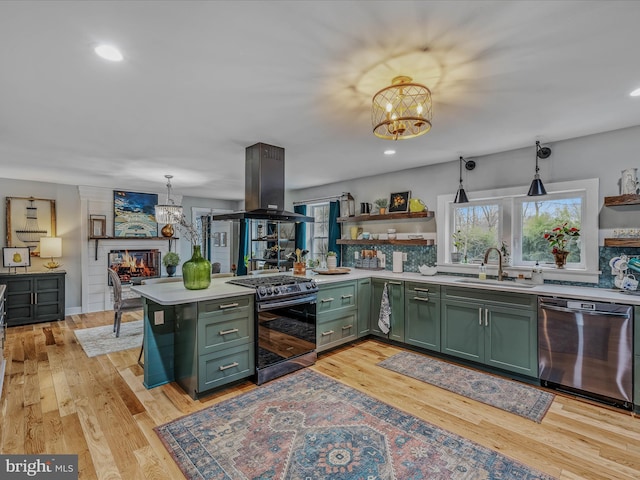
[461, 195]
[401, 110]
[168, 213]
[537, 188]
[51, 247]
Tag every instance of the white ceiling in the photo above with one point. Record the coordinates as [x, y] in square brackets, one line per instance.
[203, 80]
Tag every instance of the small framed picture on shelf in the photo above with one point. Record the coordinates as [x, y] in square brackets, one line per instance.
[98, 226]
[16, 257]
[399, 202]
[216, 239]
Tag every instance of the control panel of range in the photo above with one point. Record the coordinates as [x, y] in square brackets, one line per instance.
[268, 292]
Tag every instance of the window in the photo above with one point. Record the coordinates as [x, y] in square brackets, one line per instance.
[318, 232]
[515, 223]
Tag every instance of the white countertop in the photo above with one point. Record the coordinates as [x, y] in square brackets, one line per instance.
[174, 293]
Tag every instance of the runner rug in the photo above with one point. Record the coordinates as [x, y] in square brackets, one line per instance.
[510, 396]
[100, 340]
[308, 426]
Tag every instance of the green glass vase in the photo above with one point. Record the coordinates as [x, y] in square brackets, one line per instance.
[196, 272]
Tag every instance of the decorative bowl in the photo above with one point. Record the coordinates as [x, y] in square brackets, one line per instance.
[425, 270]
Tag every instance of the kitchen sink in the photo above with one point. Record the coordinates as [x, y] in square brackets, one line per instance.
[474, 281]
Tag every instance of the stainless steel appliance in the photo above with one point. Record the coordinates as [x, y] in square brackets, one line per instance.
[285, 323]
[586, 348]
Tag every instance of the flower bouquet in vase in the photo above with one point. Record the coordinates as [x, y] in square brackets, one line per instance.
[559, 239]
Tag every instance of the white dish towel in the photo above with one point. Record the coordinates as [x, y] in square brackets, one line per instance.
[384, 319]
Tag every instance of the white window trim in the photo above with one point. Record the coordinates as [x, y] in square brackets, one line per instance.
[589, 229]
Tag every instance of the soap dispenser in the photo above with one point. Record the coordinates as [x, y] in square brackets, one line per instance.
[536, 275]
[482, 274]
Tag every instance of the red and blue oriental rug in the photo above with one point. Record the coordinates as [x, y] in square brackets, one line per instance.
[307, 426]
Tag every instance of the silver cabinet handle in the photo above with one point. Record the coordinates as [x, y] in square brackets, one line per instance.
[346, 296]
[421, 299]
[330, 332]
[228, 305]
[486, 317]
[35, 295]
[325, 300]
[421, 289]
[347, 327]
[480, 316]
[227, 332]
[231, 365]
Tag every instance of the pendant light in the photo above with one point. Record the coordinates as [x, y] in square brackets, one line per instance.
[461, 195]
[169, 213]
[537, 188]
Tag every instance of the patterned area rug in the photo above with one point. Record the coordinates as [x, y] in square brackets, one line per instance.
[513, 397]
[308, 426]
[100, 340]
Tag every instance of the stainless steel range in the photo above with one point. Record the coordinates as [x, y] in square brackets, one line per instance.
[285, 323]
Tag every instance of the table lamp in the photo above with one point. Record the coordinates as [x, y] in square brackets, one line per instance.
[51, 247]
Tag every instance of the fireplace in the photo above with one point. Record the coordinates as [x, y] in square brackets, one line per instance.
[132, 266]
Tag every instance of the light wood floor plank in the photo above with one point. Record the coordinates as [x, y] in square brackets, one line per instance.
[56, 400]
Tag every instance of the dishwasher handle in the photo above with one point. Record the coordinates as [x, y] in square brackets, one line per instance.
[588, 312]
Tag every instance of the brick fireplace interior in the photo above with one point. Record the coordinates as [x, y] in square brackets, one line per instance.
[133, 266]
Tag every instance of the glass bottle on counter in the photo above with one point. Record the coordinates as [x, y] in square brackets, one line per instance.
[482, 273]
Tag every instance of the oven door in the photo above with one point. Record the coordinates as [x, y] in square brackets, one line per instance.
[286, 333]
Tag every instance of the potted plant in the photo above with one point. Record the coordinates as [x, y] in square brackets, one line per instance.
[382, 203]
[559, 239]
[459, 242]
[170, 261]
[332, 260]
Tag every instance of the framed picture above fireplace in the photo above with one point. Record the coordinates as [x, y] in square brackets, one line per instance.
[133, 214]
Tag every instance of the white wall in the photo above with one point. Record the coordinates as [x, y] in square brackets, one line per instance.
[602, 156]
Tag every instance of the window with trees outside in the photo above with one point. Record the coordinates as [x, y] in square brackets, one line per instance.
[318, 231]
[515, 224]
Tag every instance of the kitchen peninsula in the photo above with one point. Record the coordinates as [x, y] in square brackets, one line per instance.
[204, 339]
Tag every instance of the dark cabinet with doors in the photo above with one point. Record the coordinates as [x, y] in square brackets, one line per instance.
[34, 297]
[395, 291]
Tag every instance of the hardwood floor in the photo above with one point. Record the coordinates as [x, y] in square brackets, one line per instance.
[56, 400]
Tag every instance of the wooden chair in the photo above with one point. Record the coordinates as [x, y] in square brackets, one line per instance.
[121, 304]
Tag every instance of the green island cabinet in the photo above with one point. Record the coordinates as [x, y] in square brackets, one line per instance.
[636, 369]
[213, 343]
[395, 290]
[498, 329]
[337, 314]
[34, 297]
[364, 307]
[422, 315]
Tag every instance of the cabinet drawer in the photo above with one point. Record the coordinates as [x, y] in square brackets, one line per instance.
[334, 297]
[421, 289]
[336, 332]
[222, 331]
[224, 307]
[225, 366]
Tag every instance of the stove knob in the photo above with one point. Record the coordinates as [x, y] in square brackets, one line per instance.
[269, 291]
[262, 291]
[276, 290]
[313, 284]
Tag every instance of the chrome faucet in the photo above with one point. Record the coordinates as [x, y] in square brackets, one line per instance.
[486, 257]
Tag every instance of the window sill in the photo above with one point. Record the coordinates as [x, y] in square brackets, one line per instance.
[549, 273]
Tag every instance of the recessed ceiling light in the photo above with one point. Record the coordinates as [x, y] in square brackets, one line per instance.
[389, 152]
[109, 52]
[635, 93]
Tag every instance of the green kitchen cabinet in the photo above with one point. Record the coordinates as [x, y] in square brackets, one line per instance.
[214, 343]
[336, 314]
[395, 291]
[496, 329]
[636, 370]
[364, 307]
[34, 297]
[422, 315]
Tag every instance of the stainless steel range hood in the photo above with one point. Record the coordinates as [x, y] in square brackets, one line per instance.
[264, 187]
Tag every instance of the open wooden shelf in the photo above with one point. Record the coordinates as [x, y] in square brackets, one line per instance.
[420, 241]
[622, 242]
[387, 217]
[618, 200]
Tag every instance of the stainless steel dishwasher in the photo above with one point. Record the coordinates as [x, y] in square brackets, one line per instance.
[586, 348]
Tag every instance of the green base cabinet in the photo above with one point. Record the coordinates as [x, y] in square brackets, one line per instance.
[636, 371]
[395, 290]
[34, 297]
[499, 330]
[364, 307]
[214, 343]
[422, 315]
[337, 315]
[158, 344]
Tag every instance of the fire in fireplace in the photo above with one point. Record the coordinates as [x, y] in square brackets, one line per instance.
[135, 265]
